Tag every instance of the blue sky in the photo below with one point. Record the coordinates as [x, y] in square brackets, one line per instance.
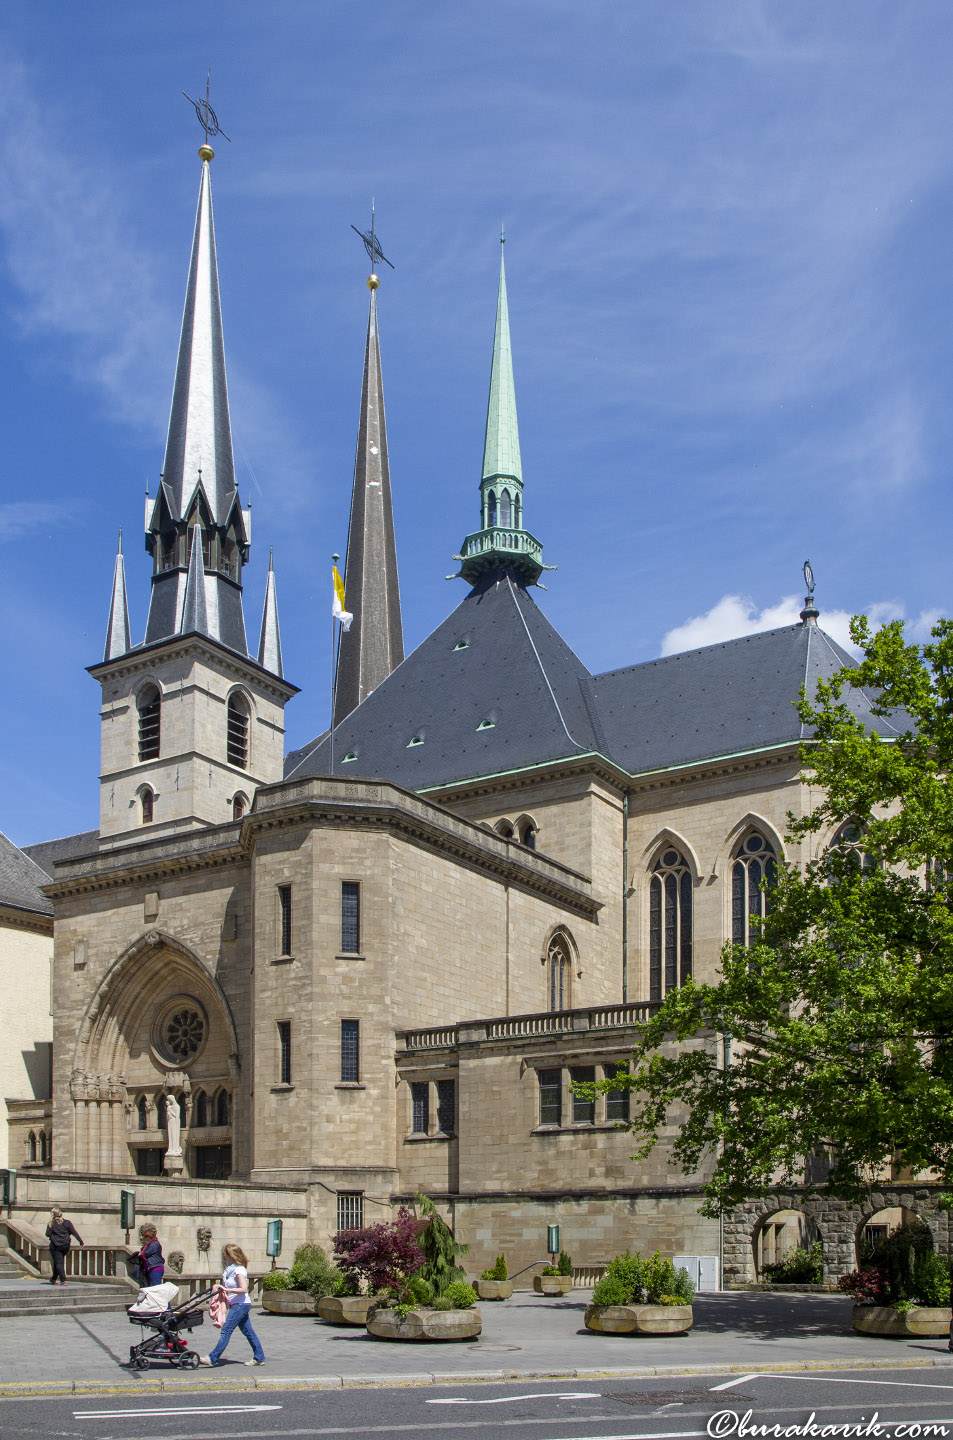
[730, 289]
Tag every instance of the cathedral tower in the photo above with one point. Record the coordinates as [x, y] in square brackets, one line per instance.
[503, 542]
[374, 644]
[192, 723]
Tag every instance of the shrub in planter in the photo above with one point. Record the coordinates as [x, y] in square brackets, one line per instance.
[311, 1270]
[630, 1280]
[497, 1271]
[901, 1270]
[276, 1280]
[564, 1267]
[382, 1257]
[460, 1294]
[440, 1249]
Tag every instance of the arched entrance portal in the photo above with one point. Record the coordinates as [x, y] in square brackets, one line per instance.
[158, 1031]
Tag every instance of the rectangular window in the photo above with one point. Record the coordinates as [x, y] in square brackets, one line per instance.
[350, 917]
[583, 1111]
[284, 919]
[550, 1097]
[350, 1210]
[213, 1162]
[350, 1051]
[617, 1101]
[284, 1052]
[420, 1096]
[446, 1107]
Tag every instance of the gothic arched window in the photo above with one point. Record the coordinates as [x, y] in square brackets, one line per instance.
[528, 834]
[754, 860]
[849, 842]
[516, 512]
[559, 966]
[200, 1110]
[43, 1147]
[31, 1142]
[505, 512]
[237, 740]
[160, 1112]
[142, 1113]
[149, 705]
[147, 802]
[221, 1108]
[239, 806]
[670, 923]
[491, 510]
[504, 829]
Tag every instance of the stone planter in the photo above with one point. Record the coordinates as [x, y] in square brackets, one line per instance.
[884, 1320]
[289, 1302]
[639, 1319]
[493, 1289]
[425, 1324]
[552, 1284]
[345, 1309]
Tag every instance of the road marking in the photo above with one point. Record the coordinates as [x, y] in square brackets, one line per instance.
[837, 1380]
[172, 1410]
[511, 1399]
[730, 1384]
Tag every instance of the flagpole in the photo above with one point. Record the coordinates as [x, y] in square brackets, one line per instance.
[334, 561]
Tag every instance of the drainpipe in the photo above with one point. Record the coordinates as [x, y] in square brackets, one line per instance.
[625, 895]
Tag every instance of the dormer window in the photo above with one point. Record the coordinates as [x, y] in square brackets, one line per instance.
[237, 738]
[149, 707]
[462, 645]
[415, 740]
[351, 755]
[486, 724]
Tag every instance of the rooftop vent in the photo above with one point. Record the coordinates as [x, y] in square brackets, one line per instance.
[415, 740]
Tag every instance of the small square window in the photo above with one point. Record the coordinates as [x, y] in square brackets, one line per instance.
[350, 1210]
[550, 1097]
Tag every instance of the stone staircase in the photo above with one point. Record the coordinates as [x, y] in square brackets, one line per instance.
[22, 1294]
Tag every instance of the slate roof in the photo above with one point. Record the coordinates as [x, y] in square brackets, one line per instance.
[20, 879]
[68, 847]
[517, 672]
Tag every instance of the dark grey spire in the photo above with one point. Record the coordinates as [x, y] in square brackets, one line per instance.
[194, 606]
[269, 644]
[198, 478]
[374, 645]
[117, 627]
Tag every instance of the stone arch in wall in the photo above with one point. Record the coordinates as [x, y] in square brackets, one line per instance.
[158, 1024]
[559, 946]
[660, 841]
[837, 1222]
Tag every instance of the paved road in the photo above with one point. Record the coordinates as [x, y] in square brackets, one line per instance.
[608, 1409]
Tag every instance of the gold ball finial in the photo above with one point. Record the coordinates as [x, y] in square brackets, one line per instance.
[206, 152]
[372, 282]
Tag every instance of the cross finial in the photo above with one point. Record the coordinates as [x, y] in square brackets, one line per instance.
[374, 251]
[207, 119]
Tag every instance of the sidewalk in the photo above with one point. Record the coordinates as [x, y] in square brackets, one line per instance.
[529, 1336]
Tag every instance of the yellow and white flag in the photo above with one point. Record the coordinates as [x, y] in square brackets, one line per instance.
[338, 611]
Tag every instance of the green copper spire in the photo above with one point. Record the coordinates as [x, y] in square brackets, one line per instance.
[503, 544]
[501, 450]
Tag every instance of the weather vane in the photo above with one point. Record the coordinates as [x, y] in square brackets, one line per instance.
[809, 577]
[371, 243]
[207, 117]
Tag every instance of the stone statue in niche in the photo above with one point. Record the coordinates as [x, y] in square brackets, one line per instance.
[173, 1130]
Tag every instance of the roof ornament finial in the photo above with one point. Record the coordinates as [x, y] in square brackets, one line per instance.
[120, 541]
[810, 612]
[208, 120]
[374, 251]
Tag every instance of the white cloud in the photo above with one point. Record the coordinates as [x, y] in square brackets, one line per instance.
[736, 615]
[24, 517]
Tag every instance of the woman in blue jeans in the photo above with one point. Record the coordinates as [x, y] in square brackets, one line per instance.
[235, 1285]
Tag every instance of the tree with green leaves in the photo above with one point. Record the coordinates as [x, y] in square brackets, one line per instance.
[839, 1017]
[441, 1250]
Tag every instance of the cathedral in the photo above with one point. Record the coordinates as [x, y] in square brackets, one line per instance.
[311, 984]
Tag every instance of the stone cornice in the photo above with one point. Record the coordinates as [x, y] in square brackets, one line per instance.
[15, 918]
[143, 658]
[328, 801]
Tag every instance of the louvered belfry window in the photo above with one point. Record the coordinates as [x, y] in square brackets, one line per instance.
[150, 707]
[237, 747]
[670, 924]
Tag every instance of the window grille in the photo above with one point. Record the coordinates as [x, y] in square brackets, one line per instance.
[754, 861]
[617, 1101]
[420, 1097]
[350, 917]
[559, 974]
[237, 737]
[670, 924]
[284, 1052]
[583, 1111]
[221, 1108]
[148, 806]
[350, 1210]
[150, 704]
[350, 1051]
[550, 1097]
[447, 1107]
[284, 919]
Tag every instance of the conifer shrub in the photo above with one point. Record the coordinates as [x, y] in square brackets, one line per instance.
[564, 1266]
[440, 1249]
[497, 1270]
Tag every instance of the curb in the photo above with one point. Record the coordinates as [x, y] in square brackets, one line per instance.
[178, 1385]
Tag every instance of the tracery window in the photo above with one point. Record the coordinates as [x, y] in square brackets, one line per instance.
[237, 728]
[505, 513]
[849, 842]
[559, 965]
[149, 706]
[670, 923]
[754, 861]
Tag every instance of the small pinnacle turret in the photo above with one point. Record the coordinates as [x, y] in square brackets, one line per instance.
[374, 644]
[117, 626]
[269, 643]
[502, 542]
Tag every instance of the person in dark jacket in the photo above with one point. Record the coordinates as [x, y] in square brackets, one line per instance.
[60, 1233]
[150, 1257]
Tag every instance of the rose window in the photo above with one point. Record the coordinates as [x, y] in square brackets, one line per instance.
[184, 1033]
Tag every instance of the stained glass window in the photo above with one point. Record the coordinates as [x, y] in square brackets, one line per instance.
[670, 923]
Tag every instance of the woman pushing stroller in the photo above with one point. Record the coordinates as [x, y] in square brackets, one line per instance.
[235, 1288]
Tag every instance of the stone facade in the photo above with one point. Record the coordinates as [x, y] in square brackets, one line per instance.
[26, 958]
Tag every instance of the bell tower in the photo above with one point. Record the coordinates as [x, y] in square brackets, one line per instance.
[192, 723]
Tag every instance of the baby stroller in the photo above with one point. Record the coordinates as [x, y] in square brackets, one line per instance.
[154, 1311]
